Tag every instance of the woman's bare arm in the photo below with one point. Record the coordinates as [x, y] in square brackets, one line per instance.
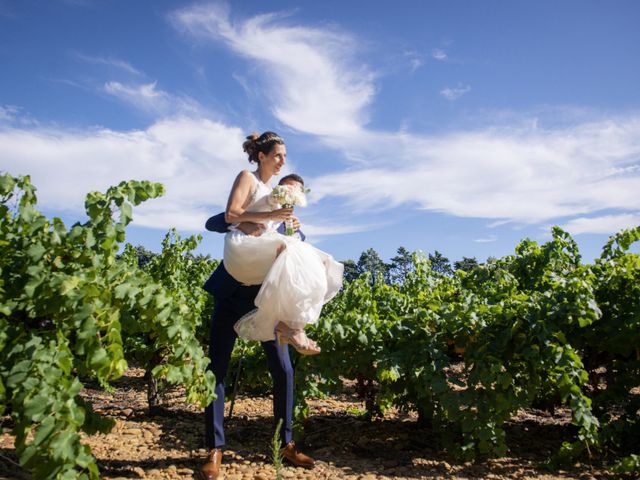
[239, 199]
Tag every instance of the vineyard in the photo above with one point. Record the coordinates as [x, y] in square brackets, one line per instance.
[462, 352]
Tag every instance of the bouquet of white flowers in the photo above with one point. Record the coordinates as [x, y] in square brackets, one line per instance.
[288, 196]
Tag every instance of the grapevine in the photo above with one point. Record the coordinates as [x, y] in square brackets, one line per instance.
[66, 302]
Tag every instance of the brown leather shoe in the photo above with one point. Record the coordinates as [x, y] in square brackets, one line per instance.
[211, 469]
[294, 457]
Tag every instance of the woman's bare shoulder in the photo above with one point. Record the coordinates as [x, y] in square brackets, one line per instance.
[245, 176]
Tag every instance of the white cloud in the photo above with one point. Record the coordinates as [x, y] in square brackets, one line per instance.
[488, 239]
[524, 173]
[324, 229]
[110, 62]
[519, 175]
[14, 115]
[148, 98]
[415, 59]
[454, 93]
[439, 54]
[8, 113]
[313, 82]
[607, 224]
[196, 159]
[416, 63]
[497, 223]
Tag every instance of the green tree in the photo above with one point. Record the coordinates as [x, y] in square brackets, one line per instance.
[401, 265]
[466, 264]
[440, 263]
[144, 256]
[371, 262]
[350, 270]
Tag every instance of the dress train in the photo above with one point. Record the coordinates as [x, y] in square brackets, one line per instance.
[300, 281]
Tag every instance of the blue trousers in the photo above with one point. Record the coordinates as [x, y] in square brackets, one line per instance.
[226, 313]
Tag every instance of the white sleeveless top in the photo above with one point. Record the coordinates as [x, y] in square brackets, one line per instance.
[248, 258]
[259, 203]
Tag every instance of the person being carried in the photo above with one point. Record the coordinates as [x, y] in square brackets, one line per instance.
[232, 301]
[299, 278]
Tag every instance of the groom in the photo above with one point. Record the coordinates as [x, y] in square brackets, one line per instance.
[232, 301]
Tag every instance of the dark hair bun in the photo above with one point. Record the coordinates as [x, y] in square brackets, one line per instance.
[250, 148]
[264, 143]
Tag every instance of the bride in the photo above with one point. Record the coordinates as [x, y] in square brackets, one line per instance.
[297, 279]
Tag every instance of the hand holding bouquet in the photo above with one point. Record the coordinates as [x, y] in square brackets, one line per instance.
[288, 196]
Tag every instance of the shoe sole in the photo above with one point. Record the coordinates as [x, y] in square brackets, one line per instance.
[299, 465]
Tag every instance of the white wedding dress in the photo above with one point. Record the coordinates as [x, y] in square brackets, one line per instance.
[295, 284]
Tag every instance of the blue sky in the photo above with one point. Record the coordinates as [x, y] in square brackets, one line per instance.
[455, 126]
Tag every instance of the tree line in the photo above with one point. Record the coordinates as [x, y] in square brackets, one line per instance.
[402, 265]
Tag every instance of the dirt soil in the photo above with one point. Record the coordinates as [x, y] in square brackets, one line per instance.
[169, 445]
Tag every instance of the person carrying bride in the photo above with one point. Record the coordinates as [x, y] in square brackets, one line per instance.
[232, 301]
[297, 279]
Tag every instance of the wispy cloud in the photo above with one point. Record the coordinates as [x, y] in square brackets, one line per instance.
[415, 59]
[314, 230]
[439, 54]
[143, 96]
[12, 115]
[110, 62]
[526, 172]
[607, 224]
[454, 93]
[196, 159]
[488, 239]
[148, 98]
[497, 223]
[8, 113]
[72, 83]
[522, 173]
[519, 175]
[314, 83]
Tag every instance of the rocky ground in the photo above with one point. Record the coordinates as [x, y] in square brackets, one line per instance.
[169, 444]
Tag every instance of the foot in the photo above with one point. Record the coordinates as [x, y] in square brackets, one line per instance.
[295, 458]
[297, 339]
[303, 344]
[211, 469]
